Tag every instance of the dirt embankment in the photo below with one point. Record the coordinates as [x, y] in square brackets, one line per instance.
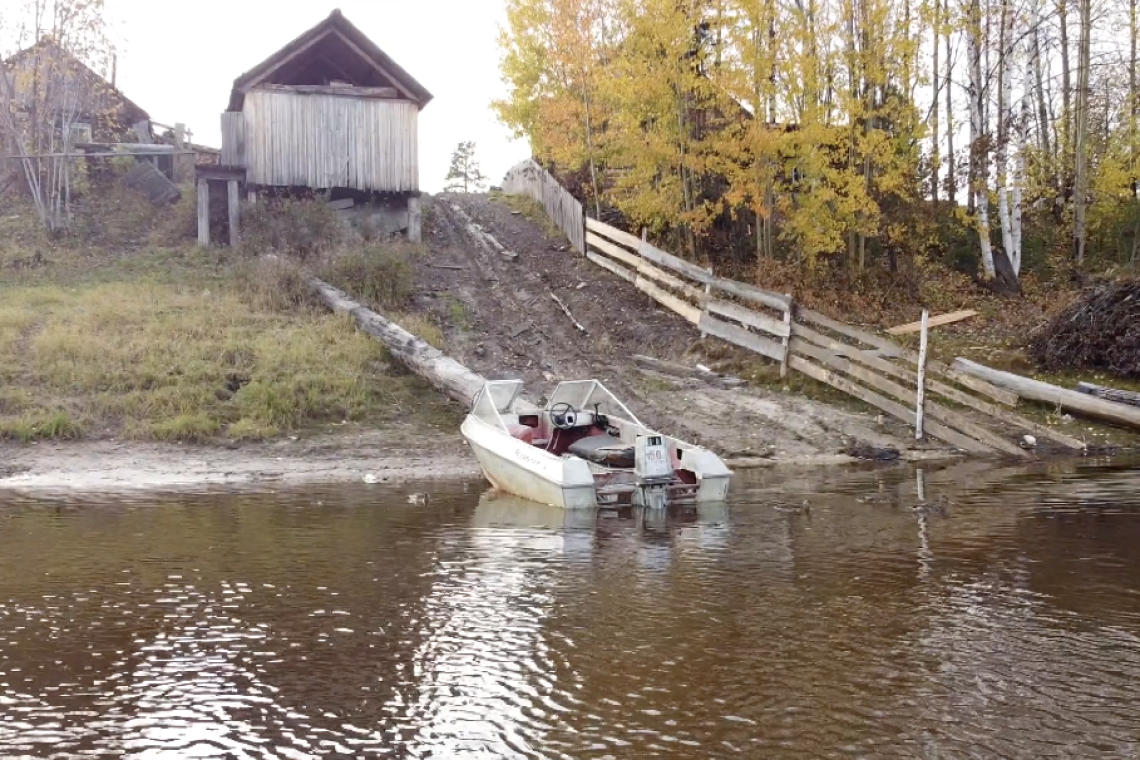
[501, 321]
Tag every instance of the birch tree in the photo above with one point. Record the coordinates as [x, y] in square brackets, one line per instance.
[979, 138]
[45, 88]
[1080, 148]
[799, 117]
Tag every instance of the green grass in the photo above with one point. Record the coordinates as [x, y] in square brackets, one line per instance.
[529, 209]
[177, 344]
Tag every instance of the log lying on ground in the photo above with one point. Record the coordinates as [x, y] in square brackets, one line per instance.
[443, 372]
[1110, 394]
[1025, 387]
[681, 370]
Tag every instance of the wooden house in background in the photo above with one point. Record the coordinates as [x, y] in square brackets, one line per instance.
[330, 112]
[49, 82]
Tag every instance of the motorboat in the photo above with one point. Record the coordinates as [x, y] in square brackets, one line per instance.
[583, 449]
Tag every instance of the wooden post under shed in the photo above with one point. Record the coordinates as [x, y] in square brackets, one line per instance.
[234, 179]
[233, 207]
[415, 220]
[203, 212]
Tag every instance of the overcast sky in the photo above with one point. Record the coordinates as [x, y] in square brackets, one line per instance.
[179, 60]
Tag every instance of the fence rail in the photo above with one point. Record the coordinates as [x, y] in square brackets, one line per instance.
[866, 366]
[693, 292]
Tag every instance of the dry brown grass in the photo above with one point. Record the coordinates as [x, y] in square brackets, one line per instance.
[176, 343]
[529, 209]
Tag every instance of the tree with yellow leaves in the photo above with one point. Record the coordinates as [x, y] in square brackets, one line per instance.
[818, 123]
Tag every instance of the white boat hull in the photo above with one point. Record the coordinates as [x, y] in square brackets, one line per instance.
[518, 468]
[533, 461]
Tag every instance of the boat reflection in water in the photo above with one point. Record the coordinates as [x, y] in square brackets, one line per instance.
[652, 534]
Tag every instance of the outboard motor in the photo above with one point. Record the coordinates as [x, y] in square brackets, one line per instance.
[654, 471]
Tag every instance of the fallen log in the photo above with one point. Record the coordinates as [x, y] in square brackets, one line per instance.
[1110, 394]
[681, 370]
[440, 370]
[1121, 414]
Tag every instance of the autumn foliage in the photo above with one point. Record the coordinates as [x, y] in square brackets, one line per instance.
[851, 131]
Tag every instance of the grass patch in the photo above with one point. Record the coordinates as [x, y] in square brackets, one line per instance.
[529, 209]
[46, 426]
[458, 315]
[174, 346]
[123, 328]
[197, 427]
[423, 327]
[379, 275]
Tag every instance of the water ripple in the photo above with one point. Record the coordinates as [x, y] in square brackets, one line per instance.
[347, 622]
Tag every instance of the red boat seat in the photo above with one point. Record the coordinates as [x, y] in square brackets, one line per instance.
[524, 433]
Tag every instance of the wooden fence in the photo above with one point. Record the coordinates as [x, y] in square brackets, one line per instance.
[530, 179]
[866, 366]
[717, 306]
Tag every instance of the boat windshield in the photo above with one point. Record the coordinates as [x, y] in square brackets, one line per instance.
[496, 398]
[585, 394]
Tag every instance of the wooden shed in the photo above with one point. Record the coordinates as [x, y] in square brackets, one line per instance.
[331, 112]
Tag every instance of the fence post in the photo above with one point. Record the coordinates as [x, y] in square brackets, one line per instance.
[788, 340]
[918, 412]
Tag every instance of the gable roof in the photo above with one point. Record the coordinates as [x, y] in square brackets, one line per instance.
[334, 46]
[131, 111]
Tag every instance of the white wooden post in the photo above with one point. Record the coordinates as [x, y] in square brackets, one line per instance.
[233, 208]
[203, 211]
[918, 433]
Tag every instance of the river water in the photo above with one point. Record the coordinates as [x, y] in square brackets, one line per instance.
[361, 621]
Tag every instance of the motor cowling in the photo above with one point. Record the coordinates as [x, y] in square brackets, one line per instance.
[654, 471]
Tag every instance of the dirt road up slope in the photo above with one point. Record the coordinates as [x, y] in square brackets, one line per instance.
[500, 320]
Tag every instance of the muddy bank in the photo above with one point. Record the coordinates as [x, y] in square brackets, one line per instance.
[120, 466]
[501, 320]
[115, 465]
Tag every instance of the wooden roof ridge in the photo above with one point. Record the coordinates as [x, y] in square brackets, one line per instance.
[334, 25]
[47, 42]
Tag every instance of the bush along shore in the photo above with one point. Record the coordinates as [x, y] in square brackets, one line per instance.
[122, 329]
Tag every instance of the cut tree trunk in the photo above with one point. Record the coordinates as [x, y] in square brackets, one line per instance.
[685, 371]
[1110, 394]
[441, 371]
[1025, 387]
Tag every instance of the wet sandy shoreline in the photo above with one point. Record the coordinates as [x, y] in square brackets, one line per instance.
[130, 465]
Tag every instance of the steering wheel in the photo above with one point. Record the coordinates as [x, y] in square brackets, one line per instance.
[563, 416]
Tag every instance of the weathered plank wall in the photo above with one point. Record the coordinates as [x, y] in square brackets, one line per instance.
[233, 138]
[322, 141]
[530, 179]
